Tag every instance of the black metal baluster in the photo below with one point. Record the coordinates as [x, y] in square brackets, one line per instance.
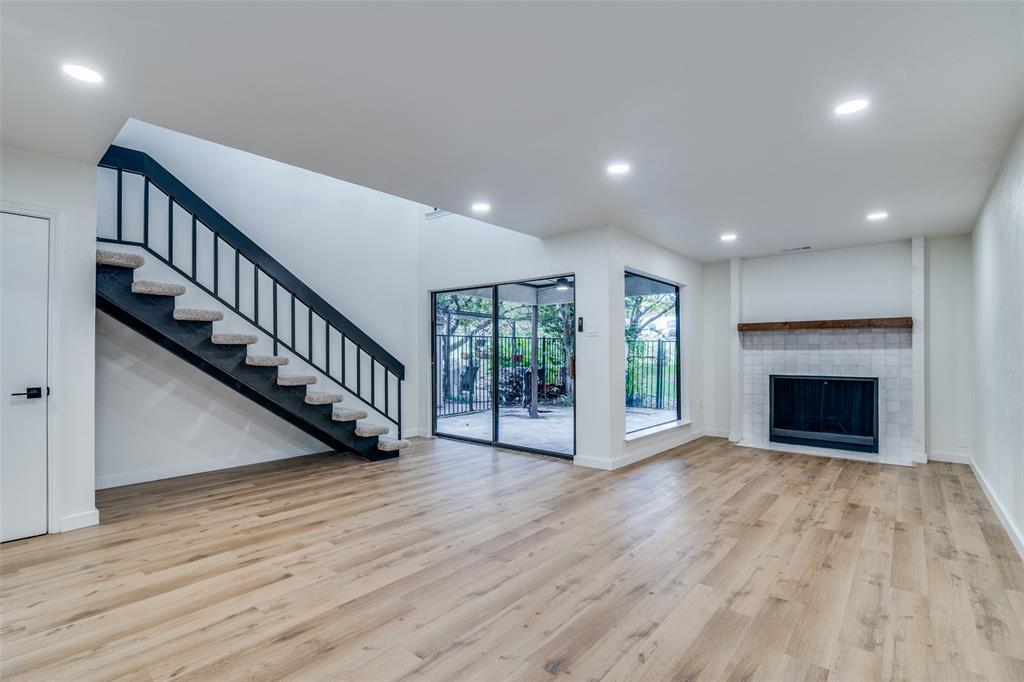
[373, 382]
[216, 266]
[145, 212]
[194, 274]
[236, 280]
[256, 295]
[274, 289]
[399, 410]
[344, 358]
[327, 348]
[170, 230]
[387, 385]
[309, 336]
[291, 338]
[119, 237]
[359, 372]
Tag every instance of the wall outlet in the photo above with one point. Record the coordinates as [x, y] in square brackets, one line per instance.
[963, 442]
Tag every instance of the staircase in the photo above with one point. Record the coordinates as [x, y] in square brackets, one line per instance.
[335, 354]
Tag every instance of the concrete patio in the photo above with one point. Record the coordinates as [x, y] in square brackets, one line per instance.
[551, 431]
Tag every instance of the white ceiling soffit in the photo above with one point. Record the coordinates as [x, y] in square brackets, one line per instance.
[723, 110]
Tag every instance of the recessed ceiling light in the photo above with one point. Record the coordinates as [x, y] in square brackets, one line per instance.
[618, 168]
[878, 215]
[728, 237]
[83, 73]
[852, 107]
[562, 284]
[481, 207]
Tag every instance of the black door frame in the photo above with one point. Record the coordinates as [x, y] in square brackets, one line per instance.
[495, 431]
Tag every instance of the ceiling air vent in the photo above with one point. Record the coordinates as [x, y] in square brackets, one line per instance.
[435, 214]
[796, 248]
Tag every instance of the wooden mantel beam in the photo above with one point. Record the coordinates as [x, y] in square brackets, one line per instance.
[864, 323]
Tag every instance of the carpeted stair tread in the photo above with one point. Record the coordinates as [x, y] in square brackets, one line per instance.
[198, 315]
[348, 415]
[295, 379]
[392, 445]
[266, 360]
[371, 430]
[234, 339]
[313, 398]
[119, 259]
[157, 288]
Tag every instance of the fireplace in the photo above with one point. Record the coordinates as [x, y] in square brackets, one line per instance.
[824, 411]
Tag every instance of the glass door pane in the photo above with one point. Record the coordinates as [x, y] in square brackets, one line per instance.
[652, 353]
[536, 348]
[463, 363]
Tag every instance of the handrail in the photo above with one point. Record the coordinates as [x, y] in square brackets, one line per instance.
[139, 162]
[123, 160]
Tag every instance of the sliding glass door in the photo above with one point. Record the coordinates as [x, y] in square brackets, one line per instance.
[464, 364]
[515, 388]
[536, 365]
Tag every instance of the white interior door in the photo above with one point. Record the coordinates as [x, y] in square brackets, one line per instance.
[24, 266]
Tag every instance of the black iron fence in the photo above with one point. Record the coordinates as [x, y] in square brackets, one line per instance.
[651, 369]
[465, 372]
[464, 367]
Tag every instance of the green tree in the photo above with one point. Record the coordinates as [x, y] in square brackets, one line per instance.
[641, 314]
[643, 311]
[462, 316]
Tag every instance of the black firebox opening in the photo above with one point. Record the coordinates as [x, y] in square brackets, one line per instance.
[829, 412]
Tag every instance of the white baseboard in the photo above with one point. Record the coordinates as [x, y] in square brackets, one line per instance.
[1016, 536]
[717, 433]
[592, 462]
[79, 520]
[951, 457]
[656, 446]
[827, 452]
[184, 469]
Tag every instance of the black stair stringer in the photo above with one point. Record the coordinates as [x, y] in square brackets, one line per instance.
[153, 317]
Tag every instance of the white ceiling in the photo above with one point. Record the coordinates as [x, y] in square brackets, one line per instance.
[723, 109]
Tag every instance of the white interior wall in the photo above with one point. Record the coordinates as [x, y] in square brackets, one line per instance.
[181, 420]
[863, 281]
[67, 188]
[716, 328]
[998, 252]
[949, 335]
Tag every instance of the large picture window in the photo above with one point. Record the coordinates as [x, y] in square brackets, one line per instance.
[653, 377]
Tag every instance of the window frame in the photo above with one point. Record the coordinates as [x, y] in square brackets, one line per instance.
[679, 352]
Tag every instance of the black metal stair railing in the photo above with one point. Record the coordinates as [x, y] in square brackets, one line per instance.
[241, 252]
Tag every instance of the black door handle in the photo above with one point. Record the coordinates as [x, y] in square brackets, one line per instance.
[32, 392]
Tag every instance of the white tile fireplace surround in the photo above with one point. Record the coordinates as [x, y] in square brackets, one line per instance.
[883, 353]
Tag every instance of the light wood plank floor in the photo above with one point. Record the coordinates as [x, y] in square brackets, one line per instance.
[463, 562]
